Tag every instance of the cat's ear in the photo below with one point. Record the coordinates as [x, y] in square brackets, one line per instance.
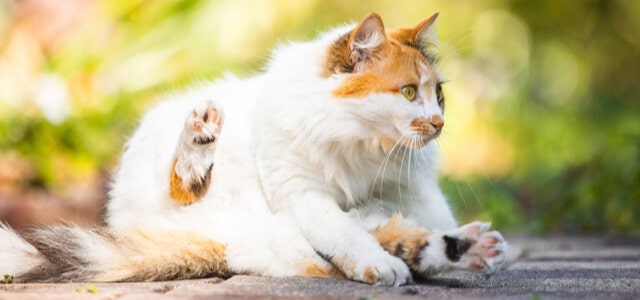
[425, 31]
[366, 38]
[422, 36]
[425, 36]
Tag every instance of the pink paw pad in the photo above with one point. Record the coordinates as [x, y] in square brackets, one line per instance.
[204, 124]
[486, 251]
[489, 241]
[491, 253]
[211, 116]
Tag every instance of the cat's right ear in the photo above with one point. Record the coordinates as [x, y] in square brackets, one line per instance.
[367, 38]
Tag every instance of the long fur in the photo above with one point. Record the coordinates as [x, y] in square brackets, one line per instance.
[313, 156]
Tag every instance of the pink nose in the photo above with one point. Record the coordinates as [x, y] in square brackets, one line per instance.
[437, 122]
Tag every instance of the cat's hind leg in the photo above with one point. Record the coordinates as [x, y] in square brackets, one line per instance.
[470, 247]
[193, 162]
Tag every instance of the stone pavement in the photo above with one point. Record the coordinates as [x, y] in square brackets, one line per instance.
[540, 268]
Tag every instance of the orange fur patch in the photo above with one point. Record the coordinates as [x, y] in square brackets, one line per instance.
[386, 144]
[187, 193]
[427, 126]
[347, 265]
[422, 126]
[415, 36]
[316, 270]
[388, 67]
[163, 255]
[394, 66]
[338, 58]
[402, 241]
[369, 275]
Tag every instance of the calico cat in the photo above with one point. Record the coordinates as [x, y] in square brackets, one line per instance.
[324, 165]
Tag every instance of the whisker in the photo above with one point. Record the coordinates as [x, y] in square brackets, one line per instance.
[385, 163]
[482, 172]
[439, 142]
[453, 45]
[412, 196]
[400, 175]
[457, 38]
[460, 193]
[382, 168]
[409, 136]
[475, 195]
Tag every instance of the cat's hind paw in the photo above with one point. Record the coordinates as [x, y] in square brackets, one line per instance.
[193, 163]
[471, 247]
[203, 125]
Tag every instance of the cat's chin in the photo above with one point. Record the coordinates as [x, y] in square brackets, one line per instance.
[411, 143]
[417, 142]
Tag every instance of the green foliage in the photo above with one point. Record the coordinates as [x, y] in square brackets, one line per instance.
[479, 198]
[554, 80]
[78, 147]
[8, 279]
[89, 288]
[577, 167]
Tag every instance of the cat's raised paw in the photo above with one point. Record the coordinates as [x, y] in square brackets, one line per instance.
[472, 247]
[204, 124]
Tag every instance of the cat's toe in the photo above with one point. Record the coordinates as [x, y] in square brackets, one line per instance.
[471, 247]
[204, 124]
[213, 114]
[493, 251]
[389, 271]
[475, 228]
[380, 269]
[487, 254]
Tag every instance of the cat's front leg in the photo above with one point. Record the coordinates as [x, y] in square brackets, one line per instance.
[340, 239]
[470, 247]
[193, 162]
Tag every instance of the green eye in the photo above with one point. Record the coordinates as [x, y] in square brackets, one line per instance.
[409, 92]
[439, 94]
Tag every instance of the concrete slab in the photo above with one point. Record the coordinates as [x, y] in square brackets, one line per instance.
[540, 268]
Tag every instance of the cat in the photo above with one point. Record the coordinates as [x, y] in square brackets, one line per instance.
[322, 166]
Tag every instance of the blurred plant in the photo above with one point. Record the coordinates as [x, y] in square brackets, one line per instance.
[572, 122]
[542, 127]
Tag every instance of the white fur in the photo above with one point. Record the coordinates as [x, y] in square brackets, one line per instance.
[287, 144]
[15, 249]
[371, 41]
[434, 260]
[296, 171]
[193, 159]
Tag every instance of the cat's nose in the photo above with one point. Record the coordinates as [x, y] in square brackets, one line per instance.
[437, 122]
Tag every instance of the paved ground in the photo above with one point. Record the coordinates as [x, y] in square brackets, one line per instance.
[540, 268]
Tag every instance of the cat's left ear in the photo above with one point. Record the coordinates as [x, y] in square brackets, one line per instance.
[368, 37]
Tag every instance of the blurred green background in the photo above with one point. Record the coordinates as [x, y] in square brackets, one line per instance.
[543, 111]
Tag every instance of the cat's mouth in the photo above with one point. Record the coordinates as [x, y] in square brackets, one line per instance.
[424, 130]
[413, 141]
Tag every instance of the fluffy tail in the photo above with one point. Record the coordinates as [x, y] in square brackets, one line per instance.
[66, 253]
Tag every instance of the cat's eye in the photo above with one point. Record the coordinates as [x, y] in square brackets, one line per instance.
[409, 92]
[439, 94]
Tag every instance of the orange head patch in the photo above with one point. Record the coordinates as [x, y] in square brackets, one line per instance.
[397, 63]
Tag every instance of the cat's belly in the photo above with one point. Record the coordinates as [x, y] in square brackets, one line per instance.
[235, 177]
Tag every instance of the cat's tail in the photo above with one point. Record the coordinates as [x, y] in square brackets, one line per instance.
[64, 253]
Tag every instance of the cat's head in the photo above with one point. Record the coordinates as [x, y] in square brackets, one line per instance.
[390, 80]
